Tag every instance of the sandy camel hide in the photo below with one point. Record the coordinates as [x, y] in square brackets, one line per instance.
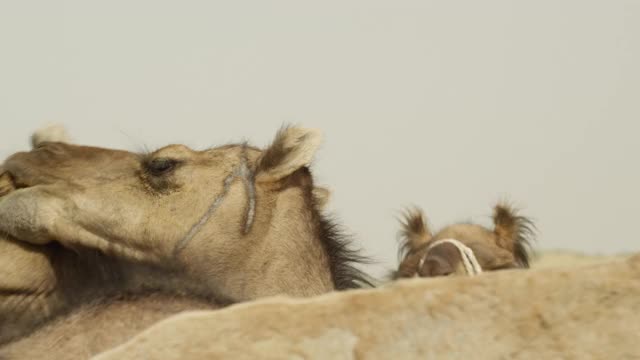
[584, 312]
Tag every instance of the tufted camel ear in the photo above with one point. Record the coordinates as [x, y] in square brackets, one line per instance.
[415, 232]
[514, 233]
[292, 149]
[50, 133]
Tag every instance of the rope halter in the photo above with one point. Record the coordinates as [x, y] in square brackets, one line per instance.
[241, 171]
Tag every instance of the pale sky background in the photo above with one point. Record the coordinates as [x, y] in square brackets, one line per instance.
[449, 105]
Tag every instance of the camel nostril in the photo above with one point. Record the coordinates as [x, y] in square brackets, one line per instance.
[436, 266]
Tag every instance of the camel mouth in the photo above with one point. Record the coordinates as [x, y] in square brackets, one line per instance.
[8, 183]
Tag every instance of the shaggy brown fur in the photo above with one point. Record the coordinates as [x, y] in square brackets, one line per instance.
[506, 246]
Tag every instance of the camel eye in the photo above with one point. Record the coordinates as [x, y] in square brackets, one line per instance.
[161, 166]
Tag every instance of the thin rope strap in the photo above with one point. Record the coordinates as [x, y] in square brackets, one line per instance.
[205, 217]
[471, 265]
[241, 171]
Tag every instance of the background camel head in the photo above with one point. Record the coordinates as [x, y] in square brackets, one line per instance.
[238, 221]
[504, 247]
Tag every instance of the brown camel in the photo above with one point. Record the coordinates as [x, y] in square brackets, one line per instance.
[84, 226]
[464, 248]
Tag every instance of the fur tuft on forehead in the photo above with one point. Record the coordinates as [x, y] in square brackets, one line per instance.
[414, 233]
[514, 232]
[292, 149]
[50, 133]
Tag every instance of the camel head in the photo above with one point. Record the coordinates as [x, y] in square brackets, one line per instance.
[235, 222]
[424, 254]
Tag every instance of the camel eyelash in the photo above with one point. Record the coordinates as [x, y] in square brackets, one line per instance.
[160, 166]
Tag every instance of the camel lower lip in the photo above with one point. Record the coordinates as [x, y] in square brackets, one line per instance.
[7, 184]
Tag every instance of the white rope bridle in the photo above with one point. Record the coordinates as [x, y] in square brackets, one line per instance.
[471, 265]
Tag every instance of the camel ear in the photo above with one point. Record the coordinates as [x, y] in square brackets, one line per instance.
[321, 196]
[514, 233]
[506, 226]
[50, 133]
[414, 232]
[292, 149]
